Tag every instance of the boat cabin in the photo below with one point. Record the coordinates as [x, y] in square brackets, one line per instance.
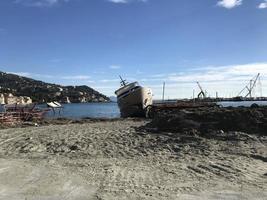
[127, 89]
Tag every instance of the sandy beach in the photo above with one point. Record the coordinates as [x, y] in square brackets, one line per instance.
[118, 159]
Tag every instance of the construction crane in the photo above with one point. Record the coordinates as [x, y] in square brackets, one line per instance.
[250, 86]
[202, 93]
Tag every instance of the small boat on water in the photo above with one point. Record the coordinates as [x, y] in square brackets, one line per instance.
[133, 99]
[54, 104]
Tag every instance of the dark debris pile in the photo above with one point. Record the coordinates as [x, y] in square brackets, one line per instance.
[208, 119]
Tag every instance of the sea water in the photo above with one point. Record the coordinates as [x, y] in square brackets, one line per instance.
[83, 110]
[111, 110]
[241, 103]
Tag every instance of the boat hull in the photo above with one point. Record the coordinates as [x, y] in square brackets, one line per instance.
[135, 103]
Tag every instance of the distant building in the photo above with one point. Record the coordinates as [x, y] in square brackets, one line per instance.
[10, 99]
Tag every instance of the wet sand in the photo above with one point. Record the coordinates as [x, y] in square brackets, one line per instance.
[118, 159]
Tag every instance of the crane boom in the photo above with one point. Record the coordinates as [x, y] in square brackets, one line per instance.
[250, 86]
[200, 87]
[201, 91]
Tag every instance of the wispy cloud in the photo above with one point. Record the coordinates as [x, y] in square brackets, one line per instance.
[90, 81]
[109, 80]
[26, 74]
[117, 81]
[114, 67]
[263, 5]
[47, 76]
[40, 3]
[227, 80]
[77, 77]
[33, 75]
[49, 3]
[118, 1]
[125, 1]
[229, 4]
[221, 73]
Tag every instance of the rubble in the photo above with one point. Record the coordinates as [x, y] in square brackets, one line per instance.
[208, 119]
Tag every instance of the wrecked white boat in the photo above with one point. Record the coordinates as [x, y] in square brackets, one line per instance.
[133, 99]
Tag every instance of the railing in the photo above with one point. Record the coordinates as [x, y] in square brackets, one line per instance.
[17, 116]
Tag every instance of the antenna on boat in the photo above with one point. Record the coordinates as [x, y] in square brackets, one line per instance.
[123, 82]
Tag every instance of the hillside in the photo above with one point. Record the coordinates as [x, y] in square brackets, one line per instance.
[41, 92]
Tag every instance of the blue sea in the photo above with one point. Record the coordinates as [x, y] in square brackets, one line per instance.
[111, 110]
[82, 110]
[241, 103]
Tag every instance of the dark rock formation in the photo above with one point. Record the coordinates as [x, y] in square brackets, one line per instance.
[41, 92]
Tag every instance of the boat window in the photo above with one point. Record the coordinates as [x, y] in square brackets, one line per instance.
[119, 92]
[131, 90]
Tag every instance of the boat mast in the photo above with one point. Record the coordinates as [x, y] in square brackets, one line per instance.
[123, 82]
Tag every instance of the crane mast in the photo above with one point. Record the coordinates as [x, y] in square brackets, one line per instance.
[202, 93]
[250, 86]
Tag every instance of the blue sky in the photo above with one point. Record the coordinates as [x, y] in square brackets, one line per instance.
[221, 43]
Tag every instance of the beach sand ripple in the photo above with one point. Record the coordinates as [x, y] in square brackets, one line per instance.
[118, 159]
